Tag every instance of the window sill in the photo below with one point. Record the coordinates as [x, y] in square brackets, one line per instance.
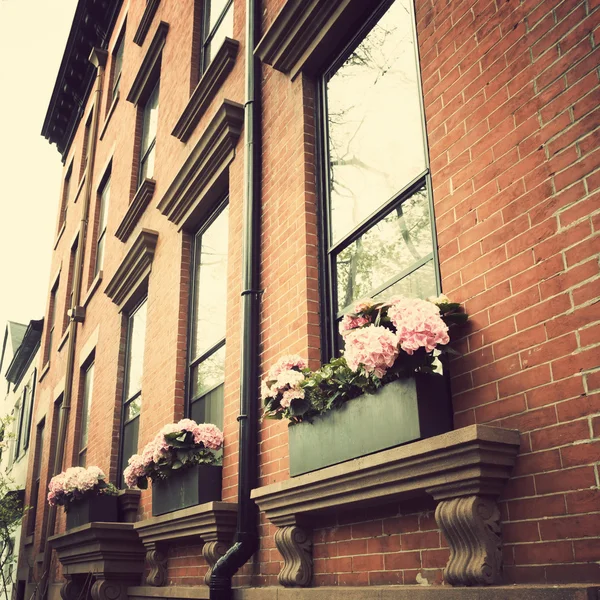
[60, 234]
[145, 22]
[63, 340]
[136, 208]
[209, 84]
[109, 114]
[28, 540]
[93, 287]
[45, 370]
[214, 523]
[463, 470]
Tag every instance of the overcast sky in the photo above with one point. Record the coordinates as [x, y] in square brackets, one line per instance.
[33, 35]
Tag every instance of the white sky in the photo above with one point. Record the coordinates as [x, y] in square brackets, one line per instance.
[33, 35]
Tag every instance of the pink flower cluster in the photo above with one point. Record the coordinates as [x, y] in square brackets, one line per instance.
[283, 380]
[356, 318]
[205, 435]
[73, 480]
[418, 324]
[373, 348]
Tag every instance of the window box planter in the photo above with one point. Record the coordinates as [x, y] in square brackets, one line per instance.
[187, 487]
[102, 508]
[402, 411]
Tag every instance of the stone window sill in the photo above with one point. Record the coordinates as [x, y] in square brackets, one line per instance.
[136, 209]
[463, 470]
[207, 87]
[214, 523]
[109, 114]
[92, 289]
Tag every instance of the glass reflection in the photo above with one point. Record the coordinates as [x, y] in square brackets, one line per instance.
[209, 373]
[137, 336]
[374, 120]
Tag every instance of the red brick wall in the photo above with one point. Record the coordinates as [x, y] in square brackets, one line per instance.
[510, 99]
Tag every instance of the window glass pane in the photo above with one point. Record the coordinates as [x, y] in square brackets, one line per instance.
[224, 30]
[209, 373]
[209, 408]
[374, 119]
[135, 363]
[88, 385]
[399, 240]
[130, 442]
[104, 198]
[83, 458]
[118, 65]
[210, 281]
[215, 8]
[150, 120]
[133, 409]
[147, 170]
[419, 284]
[100, 254]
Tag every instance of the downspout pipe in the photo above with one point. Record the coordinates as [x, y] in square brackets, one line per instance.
[246, 538]
[98, 59]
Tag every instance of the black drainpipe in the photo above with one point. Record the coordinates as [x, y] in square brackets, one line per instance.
[246, 539]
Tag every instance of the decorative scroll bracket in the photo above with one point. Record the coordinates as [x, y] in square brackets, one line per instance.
[157, 561]
[295, 545]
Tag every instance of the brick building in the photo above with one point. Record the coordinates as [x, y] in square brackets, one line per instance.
[207, 226]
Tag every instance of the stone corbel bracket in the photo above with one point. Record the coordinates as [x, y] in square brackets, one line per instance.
[214, 523]
[109, 552]
[464, 470]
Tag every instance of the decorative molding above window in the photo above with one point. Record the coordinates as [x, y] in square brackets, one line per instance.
[464, 471]
[212, 523]
[305, 33]
[134, 269]
[136, 208]
[145, 21]
[207, 87]
[206, 163]
[149, 65]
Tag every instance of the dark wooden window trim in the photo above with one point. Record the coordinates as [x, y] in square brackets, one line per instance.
[145, 21]
[146, 77]
[136, 209]
[207, 161]
[134, 269]
[210, 82]
[304, 35]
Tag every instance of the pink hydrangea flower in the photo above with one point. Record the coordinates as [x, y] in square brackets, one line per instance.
[418, 324]
[373, 348]
[209, 435]
[292, 394]
[348, 323]
[136, 468]
[286, 363]
[74, 479]
[363, 305]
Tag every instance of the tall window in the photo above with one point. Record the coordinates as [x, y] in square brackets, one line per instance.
[132, 393]
[206, 353]
[70, 278]
[37, 473]
[22, 441]
[149, 124]
[117, 67]
[88, 386]
[87, 143]
[217, 24]
[102, 219]
[378, 230]
[64, 201]
[51, 321]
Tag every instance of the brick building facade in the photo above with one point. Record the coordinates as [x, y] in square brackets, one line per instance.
[486, 166]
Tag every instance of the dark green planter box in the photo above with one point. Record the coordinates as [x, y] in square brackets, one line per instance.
[402, 411]
[91, 509]
[187, 487]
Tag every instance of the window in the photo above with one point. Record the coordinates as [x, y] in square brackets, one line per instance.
[217, 24]
[51, 321]
[377, 227]
[117, 67]
[64, 202]
[37, 472]
[87, 143]
[22, 441]
[88, 386]
[103, 200]
[71, 275]
[206, 364]
[149, 124]
[132, 393]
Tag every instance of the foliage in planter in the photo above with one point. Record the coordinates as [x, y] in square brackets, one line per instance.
[384, 341]
[176, 446]
[77, 483]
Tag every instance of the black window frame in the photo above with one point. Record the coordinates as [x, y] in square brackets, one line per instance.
[330, 315]
[116, 75]
[86, 404]
[192, 362]
[103, 204]
[125, 402]
[207, 33]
